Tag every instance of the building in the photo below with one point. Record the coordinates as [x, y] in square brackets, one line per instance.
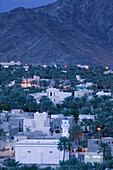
[11, 63]
[79, 78]
[83, 66]
[40, 122]
[7, 148]
[102, 93]
[83, 92]
[108, 72]
[84, 86]
[57, 96]
[65, 127]
[94, 154]
[89, 117]
[56, 121]
[41, 151]
[29, 82]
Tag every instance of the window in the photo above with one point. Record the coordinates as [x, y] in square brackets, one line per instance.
[97, 142]
[50, 151]
[50, 93]
[12, 148]
[29, 151]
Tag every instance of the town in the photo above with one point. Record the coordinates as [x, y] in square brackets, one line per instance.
[56, 116]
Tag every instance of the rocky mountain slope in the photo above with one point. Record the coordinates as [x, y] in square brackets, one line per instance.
[65, 32]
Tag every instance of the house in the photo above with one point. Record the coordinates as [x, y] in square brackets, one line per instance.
[83, 92]
[79, 78]
[11, 63]
[83, 66]
[57, 96]
[7, 148]
[40, 122]
[41, 151]
[56, 121]
[89, 117]
[102, 93]
[94, 154]
[84, 86]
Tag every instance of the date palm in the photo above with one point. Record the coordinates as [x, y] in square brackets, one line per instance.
[11, 163]
[106, 149]
[76, 131]
[64, 145]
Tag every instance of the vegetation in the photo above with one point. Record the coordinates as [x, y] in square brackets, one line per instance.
[64, 145]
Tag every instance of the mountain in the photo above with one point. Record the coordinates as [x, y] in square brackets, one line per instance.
[64, 32]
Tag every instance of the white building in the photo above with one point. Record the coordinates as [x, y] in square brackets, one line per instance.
[84, 86]
[56, 95]
[108, 72]
[83, 92]
[89, 117]
[83, 66]
[65, 127]
[79, 78]
[11, 63]
[41, 151]
[40, 122]
[102, 93]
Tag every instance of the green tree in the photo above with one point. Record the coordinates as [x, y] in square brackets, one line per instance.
[76, 131]
[11, 163]
[64, 145]
[106, 149]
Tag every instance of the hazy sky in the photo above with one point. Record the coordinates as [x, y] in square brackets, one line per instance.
[6, 5]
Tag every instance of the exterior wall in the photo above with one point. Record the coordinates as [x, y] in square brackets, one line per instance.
[65, 128]
[40, 153]
[56, 121]
[102, 93]
[56, 96]
[81, 93]
[81, 117]
[18, 138]
[93, 157]
[109, 140]
[40, 122]
[7, 149]
[17, 122]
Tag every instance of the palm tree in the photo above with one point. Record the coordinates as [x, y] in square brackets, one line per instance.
[76, 131]
[11, 163]
[29, 167]
[64, 145]
[106, 149]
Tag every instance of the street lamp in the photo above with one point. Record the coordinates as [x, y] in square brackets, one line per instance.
[99, 129]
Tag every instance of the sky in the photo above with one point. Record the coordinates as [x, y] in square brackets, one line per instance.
[7, 5]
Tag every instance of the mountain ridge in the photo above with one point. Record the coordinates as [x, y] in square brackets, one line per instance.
[61, 32]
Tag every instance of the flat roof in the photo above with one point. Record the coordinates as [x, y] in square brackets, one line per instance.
[38, 142]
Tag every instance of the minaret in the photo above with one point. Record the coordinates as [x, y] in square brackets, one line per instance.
[65, 127]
